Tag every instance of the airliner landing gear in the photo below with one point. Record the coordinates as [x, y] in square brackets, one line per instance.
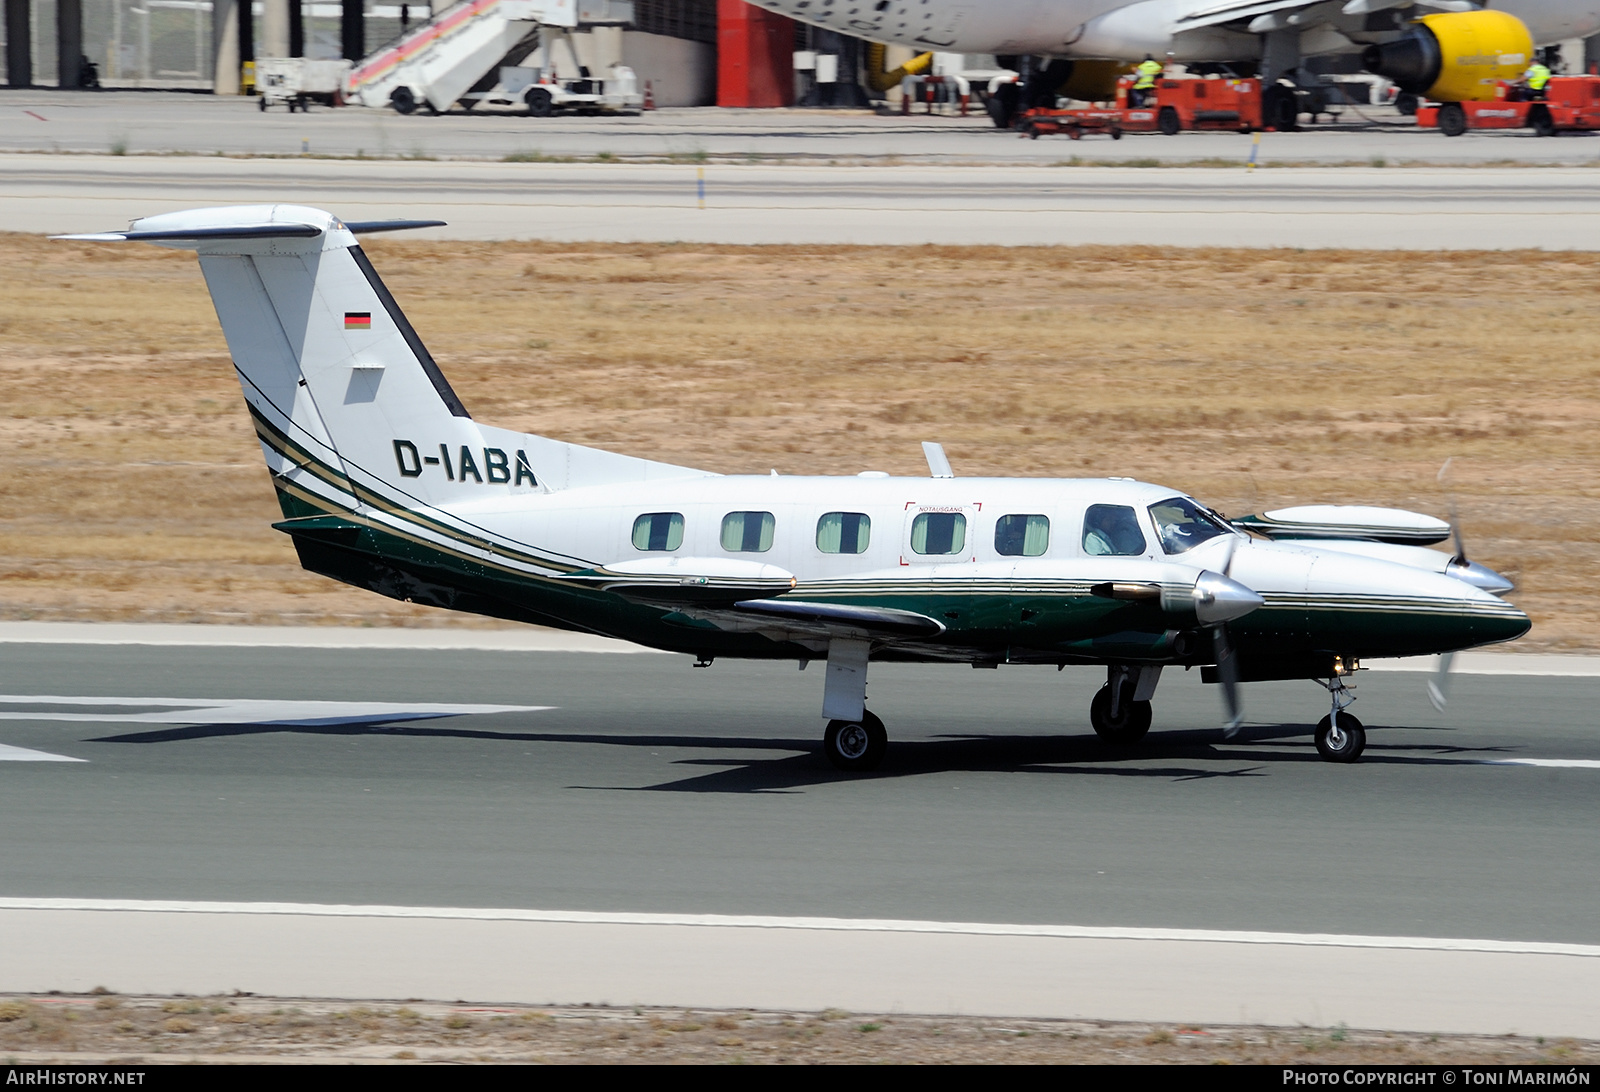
[1340, 736]
[1120, 712]
[855, 745]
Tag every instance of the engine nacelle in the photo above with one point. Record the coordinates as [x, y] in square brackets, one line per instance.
[1454, 56]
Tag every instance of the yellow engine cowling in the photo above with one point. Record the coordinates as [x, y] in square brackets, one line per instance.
[1455, 56]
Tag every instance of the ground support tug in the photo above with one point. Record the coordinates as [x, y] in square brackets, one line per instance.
[1570, 104]
[1180, 104]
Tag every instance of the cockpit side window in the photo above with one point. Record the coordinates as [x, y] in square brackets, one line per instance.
[1112, 530]
[1182, 524]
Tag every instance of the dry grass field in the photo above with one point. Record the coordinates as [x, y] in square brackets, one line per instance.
[131, 487]
[134, 1030]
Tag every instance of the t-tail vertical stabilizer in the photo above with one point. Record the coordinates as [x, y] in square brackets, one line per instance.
[352, 412]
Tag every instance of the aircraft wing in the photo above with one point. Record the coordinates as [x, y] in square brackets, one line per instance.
[1259, 16]
[1233, 11]
[813, 623]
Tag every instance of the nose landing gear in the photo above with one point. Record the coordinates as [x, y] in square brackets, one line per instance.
[1340, 736]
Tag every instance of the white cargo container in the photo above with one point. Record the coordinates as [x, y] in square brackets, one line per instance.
[297, 82]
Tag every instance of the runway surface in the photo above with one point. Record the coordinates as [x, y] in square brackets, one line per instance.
[578, 784]
[1423, 208]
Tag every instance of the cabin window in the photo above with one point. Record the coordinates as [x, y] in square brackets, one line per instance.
[1022, 536]
[1182, 524]
[939, 533]
[658, 531]
[747, 532]
[1112, 529]
[844, 533]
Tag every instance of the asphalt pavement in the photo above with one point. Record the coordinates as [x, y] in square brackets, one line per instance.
[485, 817]
[138, 123]
[642, 784]
[75, 162]
[1421, 208]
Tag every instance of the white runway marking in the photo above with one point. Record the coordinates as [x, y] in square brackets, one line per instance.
[24, 754]
[1558, 763]
[237, 710]
[852, 925]
[726, 961]
[530, 639]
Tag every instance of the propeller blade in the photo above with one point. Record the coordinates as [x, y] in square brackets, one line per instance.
[1439, 685]
[1227, 558]
[1456, 540]
[1228, 676]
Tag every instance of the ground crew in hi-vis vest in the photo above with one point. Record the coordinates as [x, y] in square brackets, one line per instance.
[1535, 79]
[1144, 86]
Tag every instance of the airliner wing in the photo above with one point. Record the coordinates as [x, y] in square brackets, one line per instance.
[1259, 16]
[1234, 11]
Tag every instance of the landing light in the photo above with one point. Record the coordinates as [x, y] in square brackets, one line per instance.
[1341, 667]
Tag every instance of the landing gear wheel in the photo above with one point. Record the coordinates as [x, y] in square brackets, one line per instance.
[1131, 724]
[1002, 105]
[540, 103]
[403, 101]
[1406, 103]
[855, 746]
[1452, 119]
[1167, 121]
[1346, 744]
[1280, 110]
[1540, 121]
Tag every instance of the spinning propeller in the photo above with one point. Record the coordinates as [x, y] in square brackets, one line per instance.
[1479, 576]
[1218, 600]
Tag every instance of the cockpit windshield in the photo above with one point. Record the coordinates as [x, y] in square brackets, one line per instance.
[1183, 524]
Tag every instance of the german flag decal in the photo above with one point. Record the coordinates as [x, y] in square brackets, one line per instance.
[358, 320]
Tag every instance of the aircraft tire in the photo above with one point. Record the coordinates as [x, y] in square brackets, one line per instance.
[1354, 739]
[1452, 119]
[1280, 109]
[540, 103]
[1168, 122]
[855, 746]
[1002, 105]
[1126, 730]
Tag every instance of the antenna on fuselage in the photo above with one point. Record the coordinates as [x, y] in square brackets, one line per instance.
[938, 464]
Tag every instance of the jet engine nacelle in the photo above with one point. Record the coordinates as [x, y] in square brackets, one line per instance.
[1147, 28]
[1455, 56]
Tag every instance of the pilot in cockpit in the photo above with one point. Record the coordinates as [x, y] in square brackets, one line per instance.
[1112, 529]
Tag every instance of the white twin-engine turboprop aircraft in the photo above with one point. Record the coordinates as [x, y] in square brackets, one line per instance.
[386, 483]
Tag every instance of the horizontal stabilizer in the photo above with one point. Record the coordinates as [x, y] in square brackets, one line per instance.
[367, 227]
[229, 231]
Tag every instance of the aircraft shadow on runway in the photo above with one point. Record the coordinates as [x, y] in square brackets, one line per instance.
[1175, 756]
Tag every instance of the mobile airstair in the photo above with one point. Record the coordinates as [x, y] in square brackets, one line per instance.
[461, 54]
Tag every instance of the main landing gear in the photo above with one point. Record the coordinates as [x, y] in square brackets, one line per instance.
[1340, 736]
[855, 745]
[1120, 712]
[855, 739]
